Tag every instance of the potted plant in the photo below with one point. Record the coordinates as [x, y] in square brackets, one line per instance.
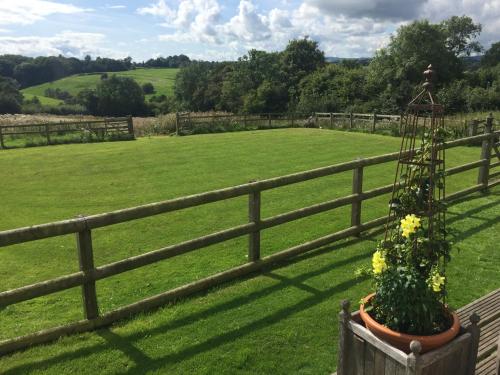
[407, 314]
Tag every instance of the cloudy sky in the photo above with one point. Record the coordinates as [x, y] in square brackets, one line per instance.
[217, 29]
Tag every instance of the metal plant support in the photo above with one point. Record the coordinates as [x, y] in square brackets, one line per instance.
[420, 172]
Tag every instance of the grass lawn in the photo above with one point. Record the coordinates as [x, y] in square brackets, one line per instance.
[282, 321]
[161, 78]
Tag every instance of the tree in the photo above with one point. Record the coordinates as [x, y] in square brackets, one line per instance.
[115, 96]
[460, 34]
[191, 84]
[396, 70]
[301, 57]
[148, 88]
[10, 97]
[492, 56]
[269, 97]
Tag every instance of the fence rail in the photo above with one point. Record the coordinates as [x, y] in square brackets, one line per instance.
[89, 273]
[110, 127]
[188, 123]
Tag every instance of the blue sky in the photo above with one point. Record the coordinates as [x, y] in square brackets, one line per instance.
[216, 29]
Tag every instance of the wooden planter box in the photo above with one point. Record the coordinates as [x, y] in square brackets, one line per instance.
[362, 353]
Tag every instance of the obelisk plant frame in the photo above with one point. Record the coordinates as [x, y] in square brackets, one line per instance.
[405, 326]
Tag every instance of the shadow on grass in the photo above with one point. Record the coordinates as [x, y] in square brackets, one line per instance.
[142, 363]
[126, 346]
[487, 220]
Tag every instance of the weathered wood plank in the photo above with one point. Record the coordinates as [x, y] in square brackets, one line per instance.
[369, 366]
[390, 366]
[42, 288]
[86, 262]
[345, 340]
[379, 362]
[362, 332]
[254, 217]
[358, 354]
[465, 167]
[487, 366]
[466, 310]
[357, 189]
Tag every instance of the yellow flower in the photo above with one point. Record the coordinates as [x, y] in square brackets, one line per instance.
[437, 281]
[378, 263]
[409, 225]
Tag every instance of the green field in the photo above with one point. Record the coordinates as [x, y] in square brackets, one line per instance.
[281, 321]
[162, 79]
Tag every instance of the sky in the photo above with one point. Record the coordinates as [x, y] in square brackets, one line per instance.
[219, 30]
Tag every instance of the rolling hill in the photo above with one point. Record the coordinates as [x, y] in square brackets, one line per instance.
[161, 78]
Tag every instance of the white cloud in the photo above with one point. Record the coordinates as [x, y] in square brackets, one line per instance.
[345, 28]
[116, 6]
[247, 25]
[25, 12]
[376, 9]
[160, 9]
[66, 43]
[486, 12]
[200, 21]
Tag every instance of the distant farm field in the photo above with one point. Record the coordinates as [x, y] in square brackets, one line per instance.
[282, 321]
[161, 78]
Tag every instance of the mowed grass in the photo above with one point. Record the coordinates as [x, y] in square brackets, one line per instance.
[162, 79]
[281, 321]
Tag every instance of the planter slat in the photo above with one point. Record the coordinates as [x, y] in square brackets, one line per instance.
[367, 354]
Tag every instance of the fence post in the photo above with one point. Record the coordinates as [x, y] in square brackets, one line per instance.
[482, 177]
[176, 123]
[316, 120]
[374, 121]
[400, 124]
[474, 331]
[357, 188]
[130, 126]
[292, 117]
[254, 217]
[351, 120]
[105, 129]
[269, 120]
[345, 341]
[473, 125]
[331, 120]
[47, 133]
[2, 145]
[86, 261]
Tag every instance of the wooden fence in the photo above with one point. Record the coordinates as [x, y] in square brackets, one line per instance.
[89, 274]
[190, 123]
[100, 129]
[365, 121]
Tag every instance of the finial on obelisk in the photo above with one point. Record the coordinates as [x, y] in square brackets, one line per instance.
[428, 78]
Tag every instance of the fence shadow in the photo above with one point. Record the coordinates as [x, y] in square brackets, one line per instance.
[142, 363]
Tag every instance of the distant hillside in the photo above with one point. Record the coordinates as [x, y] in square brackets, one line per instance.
[161, 78]
[336, 60]
[470, 61]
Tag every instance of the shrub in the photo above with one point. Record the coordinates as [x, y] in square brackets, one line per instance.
[148, 88]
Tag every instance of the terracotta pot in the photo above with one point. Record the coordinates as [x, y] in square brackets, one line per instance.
[402, 340]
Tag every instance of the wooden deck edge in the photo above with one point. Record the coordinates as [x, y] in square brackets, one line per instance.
[480, 299]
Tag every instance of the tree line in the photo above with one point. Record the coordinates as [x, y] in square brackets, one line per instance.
[298, 79]
[30, 71]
